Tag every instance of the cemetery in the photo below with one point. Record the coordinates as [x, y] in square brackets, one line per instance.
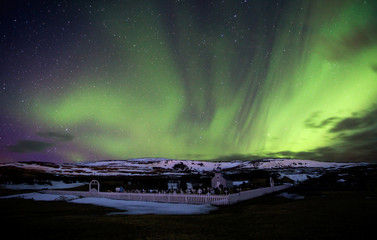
[221, 192]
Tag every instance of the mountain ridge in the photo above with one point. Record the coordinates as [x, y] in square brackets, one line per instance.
[163, 166]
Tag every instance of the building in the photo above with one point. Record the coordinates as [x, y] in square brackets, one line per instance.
[173, 185]
[220, 181]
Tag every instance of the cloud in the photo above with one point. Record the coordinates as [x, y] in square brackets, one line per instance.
[232, 157]
[358, 40]
[355, 137]
[357, 122]
[363, 136]
[26, 146]
[314, 122]
[312, 155]
[59, 137]
[355, 140]
[374, 67]
[347, 124]
[362, 153]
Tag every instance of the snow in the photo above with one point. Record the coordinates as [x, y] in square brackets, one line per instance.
[237, 183]
[299, 177]
[54, 185]
[126, 207]
[156, 166]
[291, 196]
[42, 197]
[294, 163]
[140, 207]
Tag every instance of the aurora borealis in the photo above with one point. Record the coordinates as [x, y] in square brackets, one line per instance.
[225, 80]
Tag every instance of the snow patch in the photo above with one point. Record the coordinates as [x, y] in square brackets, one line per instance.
[237, 183]
[127, 207]
[42, 197]
[53, 185]
[140, 207]
[299, 177]
[291, 196]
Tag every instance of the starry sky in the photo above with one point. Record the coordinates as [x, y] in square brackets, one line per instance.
[189, 79]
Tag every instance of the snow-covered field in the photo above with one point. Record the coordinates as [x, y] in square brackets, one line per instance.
[126, 207]
[52, 185]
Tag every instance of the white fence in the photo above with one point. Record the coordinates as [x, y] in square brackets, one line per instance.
[151, 197]
[245, 195]
[177, 198]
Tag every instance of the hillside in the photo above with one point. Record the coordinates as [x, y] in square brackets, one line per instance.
[160, 166]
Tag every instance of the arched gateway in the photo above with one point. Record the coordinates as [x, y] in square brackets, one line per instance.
[93, 182]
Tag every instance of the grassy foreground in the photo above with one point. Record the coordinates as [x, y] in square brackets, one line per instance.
[321, 215]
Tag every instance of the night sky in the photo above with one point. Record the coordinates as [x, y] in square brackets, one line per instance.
[201, 80]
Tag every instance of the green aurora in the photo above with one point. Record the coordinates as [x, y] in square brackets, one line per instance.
[218, 81]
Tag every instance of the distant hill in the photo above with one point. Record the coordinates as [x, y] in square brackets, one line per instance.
[161, 166]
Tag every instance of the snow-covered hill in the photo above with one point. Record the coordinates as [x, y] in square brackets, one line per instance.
[158, 166]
